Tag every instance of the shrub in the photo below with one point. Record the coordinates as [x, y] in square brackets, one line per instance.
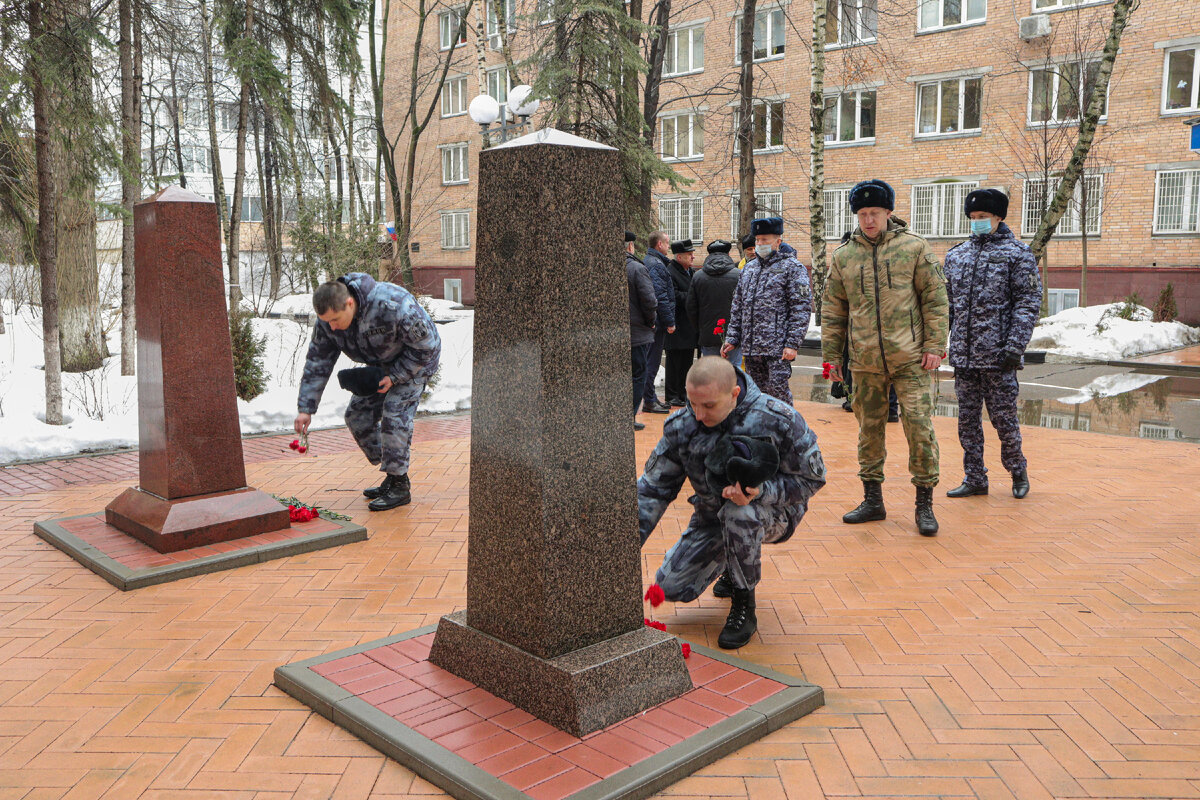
[1165, 309]
[1129, 307]
[249, 375]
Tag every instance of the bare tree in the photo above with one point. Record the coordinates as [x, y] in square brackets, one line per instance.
[130, 55]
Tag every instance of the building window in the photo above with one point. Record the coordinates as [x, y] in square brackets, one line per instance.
[768, 127]
[681, 136]
[456, 233]
[450, 26]
[227, 116]
[766, 204]
[768, 36]
[838, 217]
[850, 22]
[252, 207]
[1181, 80]
[1050, 5]
[685, 51]
[452, 290]
[1057, 92]
[1157, 430]
[498, 86]
[196, 159]
[495, 10]
[949, 106]
[1038, 196]
[454, 97]
[937, 209]
[682, 218]
[948, 13]
[1060, 300]
[544, 12]
[850, 117]
[454, 163]
[1177, 201]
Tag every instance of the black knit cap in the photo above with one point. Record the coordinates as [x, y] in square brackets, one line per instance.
[682, 246]
[748, 241]
[630, 236]
[993, 201]
[872, 194]
[719, 246]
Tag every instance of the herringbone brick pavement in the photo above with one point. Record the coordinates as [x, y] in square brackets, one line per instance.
[1048, 647]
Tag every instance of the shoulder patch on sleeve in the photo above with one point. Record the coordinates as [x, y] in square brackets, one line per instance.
[931, 258]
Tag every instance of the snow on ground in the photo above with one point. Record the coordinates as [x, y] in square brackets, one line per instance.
[1110, 386]
[1096, 333]
[100, 407]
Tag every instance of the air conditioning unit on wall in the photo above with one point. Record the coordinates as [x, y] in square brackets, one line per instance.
[1034, 27]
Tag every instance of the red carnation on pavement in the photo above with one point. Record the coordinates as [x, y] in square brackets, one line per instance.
[687, 649]
[655, 595]
[653, 623]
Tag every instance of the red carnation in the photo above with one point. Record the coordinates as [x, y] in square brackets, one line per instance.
[653, 623]
[295, 444]
[301, 449]
[687, 649]
[717, 331]
[721, 322]
[655, 595]
[825, 370]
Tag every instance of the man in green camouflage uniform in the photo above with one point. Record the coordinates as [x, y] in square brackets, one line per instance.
[887, 293]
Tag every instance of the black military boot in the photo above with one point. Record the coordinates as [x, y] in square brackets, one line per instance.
[723, 587]
[871, 508]
[926, 522]
[741, 623]
[967, 490]
[397, 494]
[1020, 483]
[374, 491]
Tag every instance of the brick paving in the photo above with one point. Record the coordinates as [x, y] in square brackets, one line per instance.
[1048, 647]
[1183, 357]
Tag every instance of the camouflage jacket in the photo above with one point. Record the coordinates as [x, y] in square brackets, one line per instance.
[771, 306]
[390, 331]
[888, 298]
[995, 297]
[685, 443]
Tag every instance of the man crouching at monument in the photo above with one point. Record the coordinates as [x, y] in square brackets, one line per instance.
[380, 325]
[753, 464]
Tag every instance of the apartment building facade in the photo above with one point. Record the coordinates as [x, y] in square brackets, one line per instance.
[937, 97]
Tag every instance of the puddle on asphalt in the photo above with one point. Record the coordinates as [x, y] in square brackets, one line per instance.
[1145, 406]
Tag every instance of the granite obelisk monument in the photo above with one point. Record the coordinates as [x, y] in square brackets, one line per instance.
[553, 621]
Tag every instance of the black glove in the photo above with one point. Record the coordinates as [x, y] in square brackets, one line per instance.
[838, 389]
[1011, 361]
[361, 381]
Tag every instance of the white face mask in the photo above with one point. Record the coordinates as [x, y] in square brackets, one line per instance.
[763, 250]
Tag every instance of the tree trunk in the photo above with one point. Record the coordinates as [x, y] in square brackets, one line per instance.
[1083, 241]
[745, 131]
[211, 104]
[816, 173]
[650, 98]
[176, 112]
[233, 255]
[129, 13]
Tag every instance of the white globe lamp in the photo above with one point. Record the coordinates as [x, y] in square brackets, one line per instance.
[484, 110]
[521, 101]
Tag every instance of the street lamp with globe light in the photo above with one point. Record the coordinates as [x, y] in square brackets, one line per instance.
[485, 110]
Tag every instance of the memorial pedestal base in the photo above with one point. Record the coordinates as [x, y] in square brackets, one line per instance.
[171, 525]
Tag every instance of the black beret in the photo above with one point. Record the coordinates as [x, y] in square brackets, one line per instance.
[630, 236]
[748, 241]
[682, 246]
[719, 246]
[769, 225]
[361, 381]
[744, 460]
[872, 194]
[993, 201]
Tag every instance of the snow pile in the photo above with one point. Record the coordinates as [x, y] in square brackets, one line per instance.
[1097, 333]
[100, 407]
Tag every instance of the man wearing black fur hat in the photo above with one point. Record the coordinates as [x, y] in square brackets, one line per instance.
[642, 316]
[995, 296]
[770, 312]
[730, 433]
[381, 325]
[680, 343]
[711, 297]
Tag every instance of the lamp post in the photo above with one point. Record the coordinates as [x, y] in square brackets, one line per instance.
[484, 110]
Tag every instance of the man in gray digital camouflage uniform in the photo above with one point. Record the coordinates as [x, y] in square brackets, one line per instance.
[730, 523]
[382, 325]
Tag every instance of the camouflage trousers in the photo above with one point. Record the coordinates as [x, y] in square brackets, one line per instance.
[914, 388]
[999, 391]
[771, 375]
[729, 539]
[382, 425]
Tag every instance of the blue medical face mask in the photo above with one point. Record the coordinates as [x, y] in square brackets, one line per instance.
[980, 227]
[763, 250]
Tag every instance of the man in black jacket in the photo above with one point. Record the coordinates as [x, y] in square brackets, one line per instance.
[660, 276]
[680, 344]
[642, 306]
[710, 298]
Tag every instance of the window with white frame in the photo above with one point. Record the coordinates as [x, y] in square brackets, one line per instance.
[195, 158]
[682, 217]
[454, 163]
[838, 216]
[768, 127]
[227, 114]
[850, 22]
[950, 106]
[1177, 201]
[450, 26]
[497, 10]
[681, 136]
[1058, 92]
[937, 208]
[498, 86]
[1157, 430]
[685, 51]
[454, 96]
[766, 204]
[936, 14]
[1051, 5]
[1181, 79]
[850, 117]
[252, 207]
[1060, 300]
[1039, 193]
[768, 36]
[544, 12]
[452, 290]
[456, 230]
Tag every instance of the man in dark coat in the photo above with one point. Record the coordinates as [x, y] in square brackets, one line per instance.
[680, 343]
[710, 299]
[657, 256]
[995, 296]
[642, 307]
[381, 325]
